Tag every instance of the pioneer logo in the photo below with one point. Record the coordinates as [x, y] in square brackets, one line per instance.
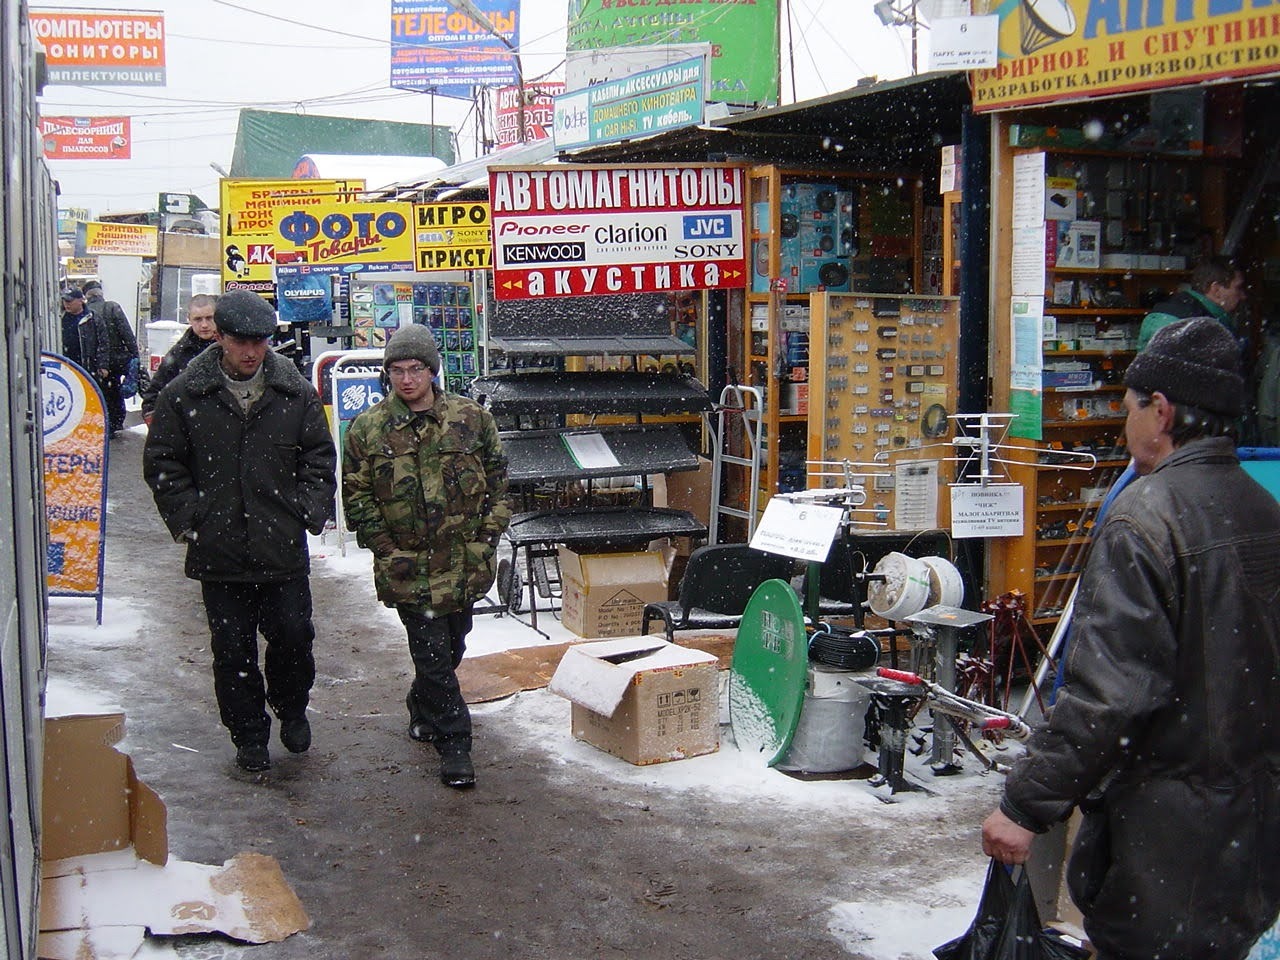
[566, 252]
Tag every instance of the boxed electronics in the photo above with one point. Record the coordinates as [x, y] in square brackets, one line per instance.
[604, 594]
[641, 698]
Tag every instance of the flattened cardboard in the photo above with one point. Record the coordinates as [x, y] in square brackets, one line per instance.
[106, 873]
[603, 595]
[642, 699]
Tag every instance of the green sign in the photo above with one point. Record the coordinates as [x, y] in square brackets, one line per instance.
[743, 36]
[1029, 423]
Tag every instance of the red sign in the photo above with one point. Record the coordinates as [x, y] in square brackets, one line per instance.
[572, 231]
[86, 138]
[102, 47]
[539, 113]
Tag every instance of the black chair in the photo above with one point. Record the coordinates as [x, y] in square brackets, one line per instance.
[717, 583]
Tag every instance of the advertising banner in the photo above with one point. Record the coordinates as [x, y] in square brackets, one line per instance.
[121, 239]
[86, 138]
[335, 237]
[539, 113]
[248, 225]
[435, 47]
[572, 231]
[1063, 50]
[586, 68]
[73, 417]
[102, 48]
[636, 106]
[452, 236]
[743, 38]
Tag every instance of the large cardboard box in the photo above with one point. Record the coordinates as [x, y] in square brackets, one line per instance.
[641, 698]
[603, 594]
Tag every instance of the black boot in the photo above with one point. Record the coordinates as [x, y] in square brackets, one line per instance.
[457, 771]
[253, 757]
[295, 734]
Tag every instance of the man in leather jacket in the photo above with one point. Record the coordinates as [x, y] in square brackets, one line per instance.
[1166, 733]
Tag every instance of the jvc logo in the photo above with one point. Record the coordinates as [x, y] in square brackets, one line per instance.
[704, 225]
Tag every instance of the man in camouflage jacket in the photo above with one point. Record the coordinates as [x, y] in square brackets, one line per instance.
[424, 483]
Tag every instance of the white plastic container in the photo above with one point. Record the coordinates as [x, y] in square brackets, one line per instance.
[161, 335]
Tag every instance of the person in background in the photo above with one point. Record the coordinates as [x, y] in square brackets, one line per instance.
[84, 335]
[241, 464]
[1217, 290]
[123, 350]
[424, 484]
[1165, 732]
[201, 332]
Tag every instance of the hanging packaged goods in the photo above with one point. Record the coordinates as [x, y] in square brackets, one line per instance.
[581, 231]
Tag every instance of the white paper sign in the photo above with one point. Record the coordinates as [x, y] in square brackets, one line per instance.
[590, 451]
[801, 530]
[991, 511]
[915, 501]
[963, 43]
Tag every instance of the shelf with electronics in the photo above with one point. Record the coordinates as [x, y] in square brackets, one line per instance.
[813, 232]
[1124, 219]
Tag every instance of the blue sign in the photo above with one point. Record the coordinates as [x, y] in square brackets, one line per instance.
[357, 393]
[305, 298]
[436, 47]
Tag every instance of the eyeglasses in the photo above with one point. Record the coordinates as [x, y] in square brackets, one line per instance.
[413, 372]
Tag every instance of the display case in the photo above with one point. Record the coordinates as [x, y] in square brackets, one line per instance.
[812, 231]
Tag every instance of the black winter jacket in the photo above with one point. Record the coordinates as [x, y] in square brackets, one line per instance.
[248, 486]
[188, 347]
[123, 344]
[1170, 717]
[85, 340]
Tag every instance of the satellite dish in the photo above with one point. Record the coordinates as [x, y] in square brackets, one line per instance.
[1045, 22]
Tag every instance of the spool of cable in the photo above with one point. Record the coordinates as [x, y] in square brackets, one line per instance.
[845, 650]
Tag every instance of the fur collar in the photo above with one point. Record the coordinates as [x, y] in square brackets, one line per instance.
[204, 373]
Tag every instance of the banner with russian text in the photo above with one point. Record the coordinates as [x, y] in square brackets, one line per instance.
[102, 48]
[119, 239]
[1064, 50]
[338, 237]
[572, 231]
[453, 236]
[248, 225]
[539, 113]
[73, 420]
[436, 47]
[743, 35]
[86, 138]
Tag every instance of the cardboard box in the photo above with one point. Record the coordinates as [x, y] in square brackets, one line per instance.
[642, 699]
[106, 876]
[604, 594]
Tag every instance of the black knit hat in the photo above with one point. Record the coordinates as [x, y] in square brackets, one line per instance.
[243, 313]
[413, 342]
[1195, 362]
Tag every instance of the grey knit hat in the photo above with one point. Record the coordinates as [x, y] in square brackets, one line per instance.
[242, 313]
[413, 342]
[1195, 362]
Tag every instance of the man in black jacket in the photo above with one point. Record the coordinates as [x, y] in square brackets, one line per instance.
[84, 336]
[241, 464]
[1166, 733]
[122, 350]
[201, 332]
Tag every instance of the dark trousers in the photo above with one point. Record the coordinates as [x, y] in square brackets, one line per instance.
[236, 612]
[436, 644]
[115, 402]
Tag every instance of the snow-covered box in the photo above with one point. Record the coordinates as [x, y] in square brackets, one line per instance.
[604, 594]
[641, 698]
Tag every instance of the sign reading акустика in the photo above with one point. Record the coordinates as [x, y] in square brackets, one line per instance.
[332, 237]
[572, 231]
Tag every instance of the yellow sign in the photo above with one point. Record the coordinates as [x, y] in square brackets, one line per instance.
[75, 478]
[452, 236]
[120, 239]
[330, 237]
[248, 228]
[1063, 50]
[81, 266]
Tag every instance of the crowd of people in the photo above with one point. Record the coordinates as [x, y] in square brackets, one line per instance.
[1163, 736]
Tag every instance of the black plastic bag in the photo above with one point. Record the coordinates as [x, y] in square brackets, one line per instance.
[1007, 926]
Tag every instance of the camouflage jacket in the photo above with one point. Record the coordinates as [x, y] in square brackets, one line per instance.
[427, 494]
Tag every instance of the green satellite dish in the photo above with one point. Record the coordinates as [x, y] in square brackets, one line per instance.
[770, 667]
